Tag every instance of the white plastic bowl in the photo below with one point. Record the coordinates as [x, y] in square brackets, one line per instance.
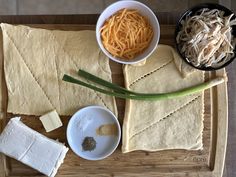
[84, 123]
[145, 11]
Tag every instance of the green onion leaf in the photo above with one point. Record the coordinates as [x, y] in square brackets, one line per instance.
[120, 92]
[103, 82]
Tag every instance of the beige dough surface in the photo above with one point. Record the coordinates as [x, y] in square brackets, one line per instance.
[35, 61]
[166, 124]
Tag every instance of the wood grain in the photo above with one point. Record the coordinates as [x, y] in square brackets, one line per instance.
[3, 90]
[206, 162]
[221, 105]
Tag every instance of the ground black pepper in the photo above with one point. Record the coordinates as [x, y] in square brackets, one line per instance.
[89, 144]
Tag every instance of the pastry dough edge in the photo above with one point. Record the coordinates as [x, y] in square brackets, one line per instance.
[125, 127]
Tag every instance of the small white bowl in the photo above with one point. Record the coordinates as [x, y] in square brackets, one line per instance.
[84, 124]
[145, 11]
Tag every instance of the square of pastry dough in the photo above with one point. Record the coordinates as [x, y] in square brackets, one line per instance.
[166, 124]
[35, 61]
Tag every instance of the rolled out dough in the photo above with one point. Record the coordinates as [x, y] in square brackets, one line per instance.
[35, 61]
[166, 124]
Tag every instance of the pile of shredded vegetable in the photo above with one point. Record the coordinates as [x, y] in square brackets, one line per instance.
[205, 38]
[126, 34]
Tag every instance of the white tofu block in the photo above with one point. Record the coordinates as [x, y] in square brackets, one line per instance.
[51, 121]
[32, 148]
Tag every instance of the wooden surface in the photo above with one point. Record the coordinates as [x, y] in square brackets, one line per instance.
[208, 162]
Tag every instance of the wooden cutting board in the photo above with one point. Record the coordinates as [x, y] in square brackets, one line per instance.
[170, 163]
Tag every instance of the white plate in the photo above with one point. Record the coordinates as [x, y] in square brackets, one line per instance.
[84, 123]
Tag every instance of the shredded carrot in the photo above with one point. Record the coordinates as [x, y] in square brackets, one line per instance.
[126, 34]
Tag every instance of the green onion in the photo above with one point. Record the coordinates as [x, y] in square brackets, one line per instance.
[107, 92]
[105, 83]
[121, 92]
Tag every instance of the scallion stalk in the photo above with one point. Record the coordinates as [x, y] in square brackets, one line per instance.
[120, 92]
[103, 82]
